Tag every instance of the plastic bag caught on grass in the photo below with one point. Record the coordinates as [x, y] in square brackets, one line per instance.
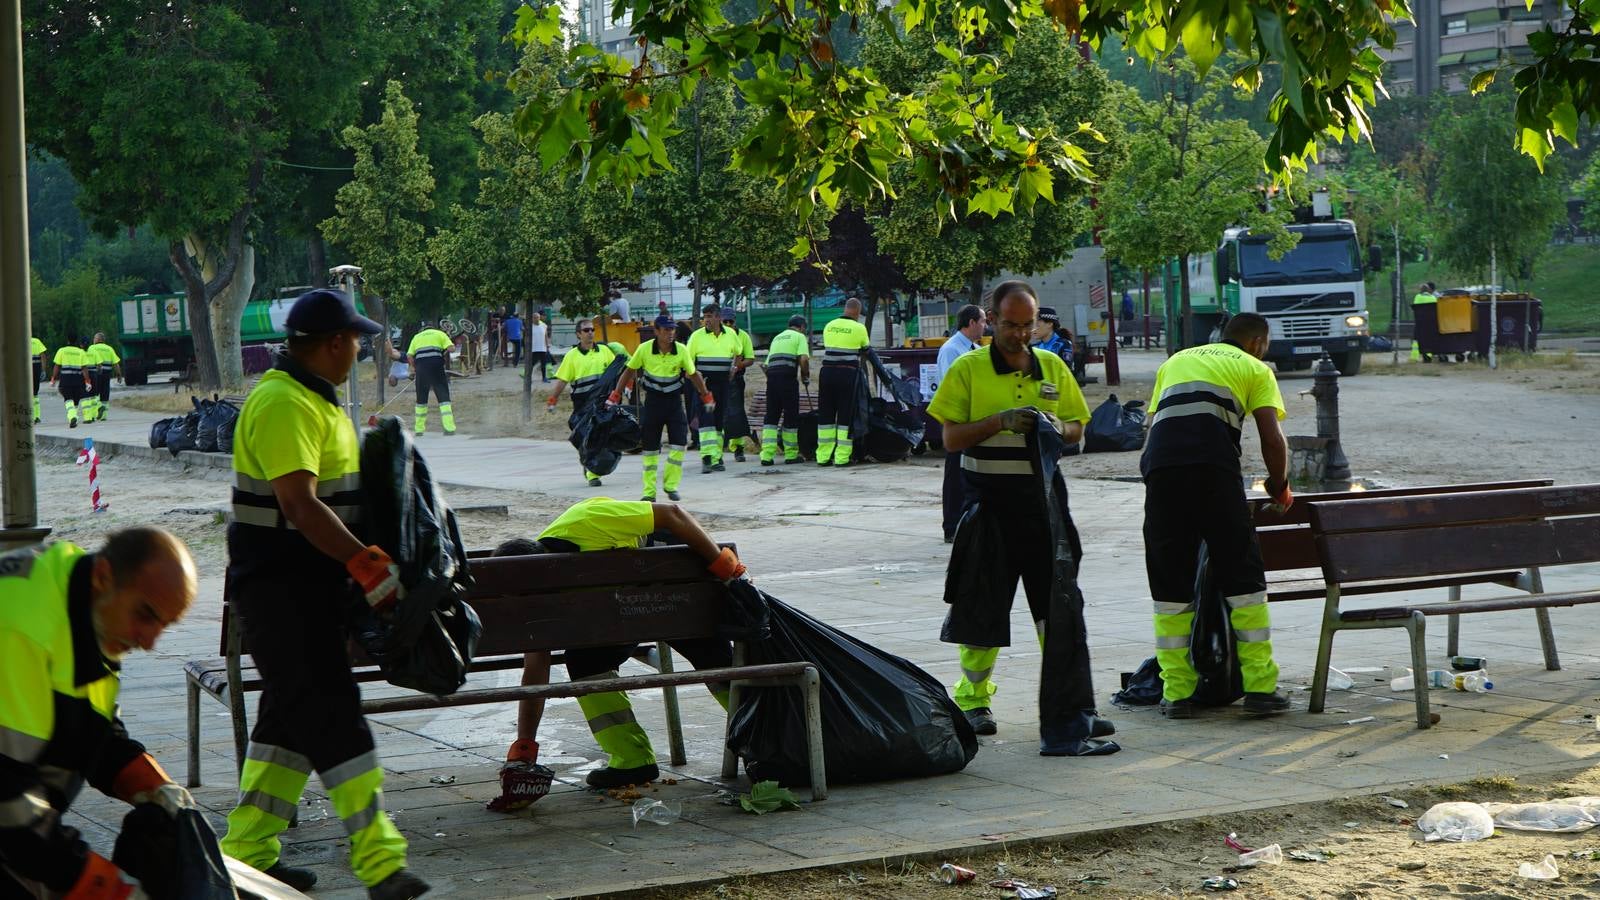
[1456, 822]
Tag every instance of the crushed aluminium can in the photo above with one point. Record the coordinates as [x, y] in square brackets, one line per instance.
[1468, 663]
[950, 873]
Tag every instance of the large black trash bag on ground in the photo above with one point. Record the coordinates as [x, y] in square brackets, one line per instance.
[427, 643]
[1115, 427]
[885, 429]
[1211, 649]
[602, 434]
[158, 432]
[216, 414]
[184, 433]
[173, 858]
[736, 419]
[882, 716]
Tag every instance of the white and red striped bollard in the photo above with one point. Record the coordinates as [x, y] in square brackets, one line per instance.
[88, 455]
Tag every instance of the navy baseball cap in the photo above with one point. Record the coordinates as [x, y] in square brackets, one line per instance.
[324, 311]
[665, 322]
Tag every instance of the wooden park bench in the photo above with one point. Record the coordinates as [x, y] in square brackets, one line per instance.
[555, 602]
[1395, 540]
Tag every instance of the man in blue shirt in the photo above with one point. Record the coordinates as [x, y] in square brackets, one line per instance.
[513, 326]
[969, 329]
[1050, 336]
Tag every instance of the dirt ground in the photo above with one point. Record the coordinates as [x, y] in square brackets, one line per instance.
[1371, 850]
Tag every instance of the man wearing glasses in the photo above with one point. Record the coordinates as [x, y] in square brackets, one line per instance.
[582, 368]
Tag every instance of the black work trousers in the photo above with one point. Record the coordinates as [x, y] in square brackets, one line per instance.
[661, 411]
[1185, 505]
[954, 492]
[702, 653]
[71, 387]
[38, 375]
[103, 387]
[717, 387]
[294, 628]
[783, 401]
[432, 376]
[836, 395]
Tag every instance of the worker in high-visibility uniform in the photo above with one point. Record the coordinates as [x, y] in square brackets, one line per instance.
[601, 523]
[1194, 493]
[108, 365]
[67, 617]
[715, 351]
[663, 365]
[36, 349]
[736, 386]
[1426, 295]
[581, 367]
[429, 355]
[293, 552]
[74, 377]
[989, 401]
[788, 366]
[842, 342]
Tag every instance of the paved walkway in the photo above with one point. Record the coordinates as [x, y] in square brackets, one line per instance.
[859, 548]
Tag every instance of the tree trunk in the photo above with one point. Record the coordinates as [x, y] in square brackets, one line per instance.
[977, 286]
[527, 358]
[207, 272]
[317, 261]
[199, 310]
[1187, 313]
[227, 317]
[378, 309]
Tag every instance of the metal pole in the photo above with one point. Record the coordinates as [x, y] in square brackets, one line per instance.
[1394, 317]
[18, 487]
[353, 388]
[1494, 307]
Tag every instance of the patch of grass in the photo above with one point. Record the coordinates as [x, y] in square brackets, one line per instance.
[1566, 360]
[1564, 279]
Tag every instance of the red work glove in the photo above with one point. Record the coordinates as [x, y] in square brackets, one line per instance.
[550, 403]
[709, 402]
[102, 880]
[141, 777]
[1282, 499]
[614, 398]
[522, 780]
[378, 576]
[726, 566]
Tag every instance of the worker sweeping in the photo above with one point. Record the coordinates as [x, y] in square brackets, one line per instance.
[429, 355]
[1194, 492]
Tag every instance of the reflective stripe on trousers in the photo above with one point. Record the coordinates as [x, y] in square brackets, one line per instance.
[976, 685]
[1174, 624]
[610, 718]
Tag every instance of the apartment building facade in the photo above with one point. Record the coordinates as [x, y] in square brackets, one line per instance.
[1452, 40]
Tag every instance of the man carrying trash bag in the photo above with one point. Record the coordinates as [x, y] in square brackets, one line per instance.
[989, 403]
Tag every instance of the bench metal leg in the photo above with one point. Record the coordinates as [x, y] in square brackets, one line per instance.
[1452, 644]
[1547, 634]
[811, 686]
[194, 734]
[1417, 629]
[1330, 626]
[730, 760]
[669, 698]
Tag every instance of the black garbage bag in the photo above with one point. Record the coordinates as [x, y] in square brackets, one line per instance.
[736, 419]
[225, 432]
[1211, 650]
[808, 434]
[882, 716]
[173, 858]
[602, 434]
[886, 429]
[185, 432]
[158, 432]
[427, 643]
[214, 414]
[1115, 427]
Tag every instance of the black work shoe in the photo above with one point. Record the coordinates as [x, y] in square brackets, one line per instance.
[982, 720]
[764, 462]
[594, 482]
[72, 423]
[648, 498]
[705, 467]
[615, 778]
[1100, 727]
[719, 466]
[402, 885]
[1266, 704]
[449, 434]
[793, 461]
[1177, 709]
[299, 879]
[673, 495]
[824, 462]
[738, 456]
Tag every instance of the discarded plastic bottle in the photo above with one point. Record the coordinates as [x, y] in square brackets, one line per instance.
[1475, 682]
[1271, 855]
[1402, 683]
[1339, 681]
[1437, 678]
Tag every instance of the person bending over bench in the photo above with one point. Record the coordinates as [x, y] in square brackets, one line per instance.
[601, 523]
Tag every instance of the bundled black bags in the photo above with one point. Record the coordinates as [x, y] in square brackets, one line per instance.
[885, 429]
[602, 433]
[1211, 650]
[427, 643]
[158, 432]
[1115, 427]
[174, 858]
[184, 433]
[882, 716]
[214, 414]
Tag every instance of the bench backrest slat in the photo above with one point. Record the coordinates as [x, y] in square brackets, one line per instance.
[1288, 547]
[1456, 549]
[1446, 510]
[1300, 512]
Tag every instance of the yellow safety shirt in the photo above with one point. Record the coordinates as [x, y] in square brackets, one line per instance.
[601, 523]
[662, 372]
[842, 342]
[980, 383]
[431, 345]
[72, 360]
[1203, 396]
[36, 346]
[582, 369]
[1423, 298]
[784, 353]
[292, 422]
[714, 353]
[103, 355]
[58, 710]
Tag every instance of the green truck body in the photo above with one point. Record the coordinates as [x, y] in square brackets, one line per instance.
[154, 333]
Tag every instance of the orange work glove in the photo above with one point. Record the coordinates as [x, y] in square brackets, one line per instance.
[550, 403]
[102, 880]
[726, 566]
[378, 576]
[614, 398]
[142, 775]
[709, 402]
[1282, 499]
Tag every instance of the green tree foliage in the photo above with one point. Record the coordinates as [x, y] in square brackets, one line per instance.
[826, 128]
[1382, 203]
[379, 211]
[1188, 177]
[701, 217]
[1491, 199]
[1044, 87]
[77, 306]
